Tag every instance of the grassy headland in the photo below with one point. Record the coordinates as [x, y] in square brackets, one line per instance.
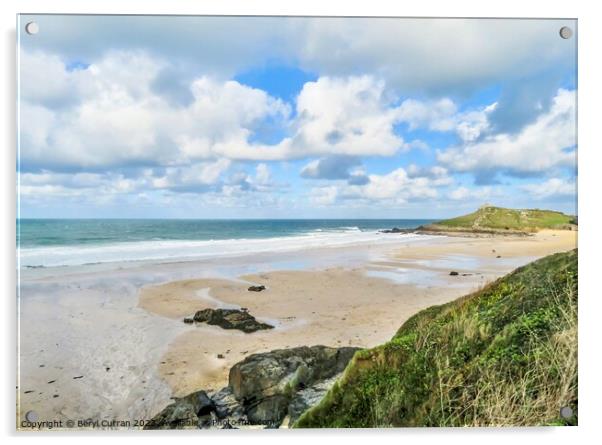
[489, 219]
[505, 355]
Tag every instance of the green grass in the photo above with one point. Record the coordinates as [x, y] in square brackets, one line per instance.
[498, 218]
[505, 355]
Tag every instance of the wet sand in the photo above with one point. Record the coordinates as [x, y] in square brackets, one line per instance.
[87, 351]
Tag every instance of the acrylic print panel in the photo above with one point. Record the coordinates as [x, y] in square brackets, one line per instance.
[248, 222]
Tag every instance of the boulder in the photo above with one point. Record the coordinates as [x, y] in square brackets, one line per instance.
[308, 397]
[230, 319]
[226, 405]
[256, 288]
[266, 383]
[186, 412]
[263, 389]
[453, 273]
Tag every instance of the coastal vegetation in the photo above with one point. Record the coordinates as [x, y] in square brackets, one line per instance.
[505, 355]
[490, 219]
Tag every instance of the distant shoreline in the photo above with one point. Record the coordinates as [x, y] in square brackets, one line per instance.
[95, 242]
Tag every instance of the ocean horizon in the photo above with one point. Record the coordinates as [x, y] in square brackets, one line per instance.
[65, 242]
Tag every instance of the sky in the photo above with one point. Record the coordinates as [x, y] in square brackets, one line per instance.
[256, 117]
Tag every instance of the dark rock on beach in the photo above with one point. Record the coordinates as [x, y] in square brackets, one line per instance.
[226, 405]
[184, 412]
[263, 389]
[396, 230]
[230, 319]
[267, 384]
[453, 273]
[256, 288]
[308, 397]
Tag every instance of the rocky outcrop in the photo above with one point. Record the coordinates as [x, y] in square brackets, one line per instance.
[230, 319]
[468, 232]
[265, 384]
[263, 389]
[187, 412]
[397, 230]
[308, 397]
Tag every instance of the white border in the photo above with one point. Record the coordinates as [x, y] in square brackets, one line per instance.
[590, 101]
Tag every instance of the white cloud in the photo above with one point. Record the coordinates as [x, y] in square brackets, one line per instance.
[242, 182]
[432, 55]
[116, 118]
[222, 117]
[435, 115]
[481, 193]
[192, 189]
[436, 55]
[544, 144]
[44, 80]
[396, 187]
[443, 115]
[437, 174]
[202, 176]
[195, 175]
[459, 194]
[262, 174]
[161, 116]
[110, 120]
[331, 167]
[324, 196]
[119, 119]
[552, 188]
[472, 124]
[87, 186]
[349, 116]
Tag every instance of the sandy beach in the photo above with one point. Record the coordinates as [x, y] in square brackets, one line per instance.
[108, 341]
[360, 306]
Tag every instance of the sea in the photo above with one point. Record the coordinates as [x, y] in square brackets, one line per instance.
[69, 242]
